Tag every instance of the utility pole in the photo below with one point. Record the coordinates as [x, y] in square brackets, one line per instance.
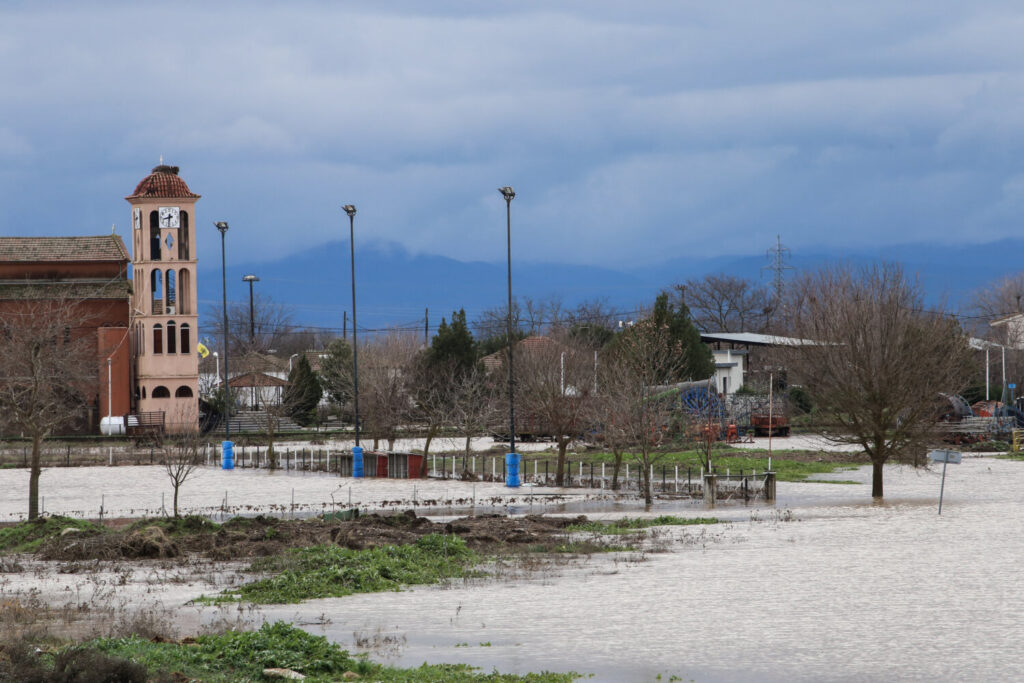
[426, 327]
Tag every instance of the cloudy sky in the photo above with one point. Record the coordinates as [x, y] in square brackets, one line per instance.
[631, 131]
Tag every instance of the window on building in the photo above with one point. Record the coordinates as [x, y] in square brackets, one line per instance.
[161, 392]
[172, 337]
[158, 338]
[186, 341]
[183, 392]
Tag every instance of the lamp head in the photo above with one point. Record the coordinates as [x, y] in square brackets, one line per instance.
[507, 192]
[350, 209]
[250, 278]
[222, 226]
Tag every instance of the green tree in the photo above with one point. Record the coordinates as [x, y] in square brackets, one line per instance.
[336, 372]
[696, 360]
[453, 347]
[303, 394]
[438, 372]
[692, 358]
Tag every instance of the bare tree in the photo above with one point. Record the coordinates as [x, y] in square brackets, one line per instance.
[635, 414]
[385, 403]
[591, 323]
[475, 404]
[492, 324]
[272, 410]
[876, 360]
[272, 327]
[432, 389]
[182, 458]
[725, 303]
[554, 382]
[997, 299]
[48, 361]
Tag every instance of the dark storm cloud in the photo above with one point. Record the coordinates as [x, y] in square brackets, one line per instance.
[632, 132]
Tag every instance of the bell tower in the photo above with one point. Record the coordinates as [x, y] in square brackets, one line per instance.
[164, 316]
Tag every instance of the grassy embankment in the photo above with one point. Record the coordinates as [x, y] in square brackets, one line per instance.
[229, 656]
[26, 537]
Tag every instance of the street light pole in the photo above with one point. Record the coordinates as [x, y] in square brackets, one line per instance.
[357, 451]
[223, 227]
[512, 459]
[252, 324]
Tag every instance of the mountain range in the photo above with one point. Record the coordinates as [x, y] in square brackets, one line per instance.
[396, 288]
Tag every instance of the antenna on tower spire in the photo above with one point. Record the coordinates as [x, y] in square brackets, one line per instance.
[777, 263]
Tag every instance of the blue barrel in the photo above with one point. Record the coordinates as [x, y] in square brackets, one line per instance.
[227, 450]
[512, 470]
[357, 461]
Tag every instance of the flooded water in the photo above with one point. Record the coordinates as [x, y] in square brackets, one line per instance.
[845, 590]
[823, 585]
[138, 491]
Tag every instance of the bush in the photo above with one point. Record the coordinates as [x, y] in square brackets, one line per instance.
[800, 399]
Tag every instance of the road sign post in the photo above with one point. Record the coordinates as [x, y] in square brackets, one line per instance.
[945, 457]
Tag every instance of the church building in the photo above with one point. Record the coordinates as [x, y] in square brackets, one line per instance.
[145, 329]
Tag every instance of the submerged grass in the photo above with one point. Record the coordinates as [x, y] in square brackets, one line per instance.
[728, 458]
[243, 655]
[625, 526]
[328, 571]
[26, 537]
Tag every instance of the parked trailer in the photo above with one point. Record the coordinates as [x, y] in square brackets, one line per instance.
[774, 425]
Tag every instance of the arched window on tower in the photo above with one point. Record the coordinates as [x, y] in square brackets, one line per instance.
[183, 392]
[172, 337]
[157, 287]
[172, 291]
[154, 236]
[161, 392]
[183, 237]
[186, 340]
[158, 338]
[184, 291]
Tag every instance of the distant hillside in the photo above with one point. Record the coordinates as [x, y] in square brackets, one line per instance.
[394, 287]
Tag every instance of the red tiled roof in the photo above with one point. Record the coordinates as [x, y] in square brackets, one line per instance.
[163, 182]
[35, 290]
[496, 359]
[44, 249]
[256, 379]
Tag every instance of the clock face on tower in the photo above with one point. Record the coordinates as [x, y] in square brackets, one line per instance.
[137, 218]
[169, 216]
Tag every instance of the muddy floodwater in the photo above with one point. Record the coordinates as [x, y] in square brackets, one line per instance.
[823, 585]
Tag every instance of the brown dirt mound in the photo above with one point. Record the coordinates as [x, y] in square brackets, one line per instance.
[243, 538]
